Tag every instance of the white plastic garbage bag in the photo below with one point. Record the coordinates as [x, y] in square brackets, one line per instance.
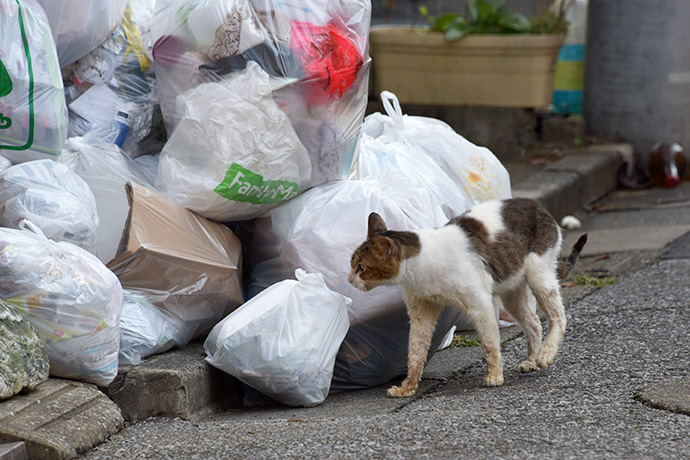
[106, 169]
[234, 153]
[475, 170]
[283, 342]
[378, 156]
[146, 330]
[33, 113]
[54, 198]
[318, 231]
[69, 296]
[314, 53]
[79, 27]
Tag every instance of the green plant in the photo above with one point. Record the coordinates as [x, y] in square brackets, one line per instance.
[461, 341]
[597, 281]
[489, 17]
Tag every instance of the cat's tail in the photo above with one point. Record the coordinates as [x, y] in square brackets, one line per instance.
[566, 265]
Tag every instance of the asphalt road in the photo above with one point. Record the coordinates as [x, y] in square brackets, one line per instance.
[621, 340]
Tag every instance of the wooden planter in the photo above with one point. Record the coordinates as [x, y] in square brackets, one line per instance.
[477, 70]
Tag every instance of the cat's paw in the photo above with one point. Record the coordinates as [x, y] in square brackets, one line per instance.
[528, 366]
[400, 392]
[493, 380]
[545, 358]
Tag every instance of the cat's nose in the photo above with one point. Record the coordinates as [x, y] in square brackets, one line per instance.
[350, 277]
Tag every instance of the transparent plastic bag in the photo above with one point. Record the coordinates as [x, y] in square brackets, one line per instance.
[106, 169]
[54, 198]
[69, 296]
[284, 341]
[33, 112]
[476, 171]
[318, 231]
[313, 53]
[79, 27]
[146, 330]
[112, 90]
[228, 173]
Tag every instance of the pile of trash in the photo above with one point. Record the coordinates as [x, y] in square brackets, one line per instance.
[179, 170]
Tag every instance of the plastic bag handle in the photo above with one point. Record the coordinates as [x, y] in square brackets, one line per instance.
[392, 107]
[26, 224]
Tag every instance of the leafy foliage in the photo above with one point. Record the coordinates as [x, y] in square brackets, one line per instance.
[489, 17]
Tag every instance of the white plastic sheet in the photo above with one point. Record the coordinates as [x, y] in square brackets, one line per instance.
[283, 342]
[69, 296]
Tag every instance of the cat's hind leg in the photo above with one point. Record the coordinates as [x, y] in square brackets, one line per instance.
[423, 315]
[480, 311]
[518, 303]
[544, 283]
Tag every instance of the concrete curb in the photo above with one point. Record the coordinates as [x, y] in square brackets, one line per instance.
[178, 383]
[578, 179]
[59, 419]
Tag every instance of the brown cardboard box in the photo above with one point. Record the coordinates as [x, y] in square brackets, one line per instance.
[182, 262]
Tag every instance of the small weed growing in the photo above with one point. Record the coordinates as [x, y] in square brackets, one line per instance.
[598, 281]
[460, 341]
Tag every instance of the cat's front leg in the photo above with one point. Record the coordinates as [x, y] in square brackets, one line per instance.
[423, 316]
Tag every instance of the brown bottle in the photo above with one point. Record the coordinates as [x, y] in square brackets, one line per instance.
[667, 165]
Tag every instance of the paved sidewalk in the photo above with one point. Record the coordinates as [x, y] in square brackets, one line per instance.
[63, 418]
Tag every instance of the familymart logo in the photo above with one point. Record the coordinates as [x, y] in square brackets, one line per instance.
[241, 184]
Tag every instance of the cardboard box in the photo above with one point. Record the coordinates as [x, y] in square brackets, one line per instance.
[182, 262]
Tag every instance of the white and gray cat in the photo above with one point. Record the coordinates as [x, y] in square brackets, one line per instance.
[503, 248]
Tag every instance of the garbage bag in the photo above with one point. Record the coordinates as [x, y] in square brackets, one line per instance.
[54, 198]
[112, 89]
[69, 296]
[283, 342]
[318, 231]
[33, 112]
[106, 169]
[145, 329]
[234, 154]
[314, 54]
[376, 157]
[476, 171]
[79, 27]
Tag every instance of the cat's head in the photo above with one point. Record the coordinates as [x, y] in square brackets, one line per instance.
[376, 261]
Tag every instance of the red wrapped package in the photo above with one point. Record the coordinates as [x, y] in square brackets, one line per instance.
[330, 60]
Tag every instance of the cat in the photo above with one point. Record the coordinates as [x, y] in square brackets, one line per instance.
[502, 247]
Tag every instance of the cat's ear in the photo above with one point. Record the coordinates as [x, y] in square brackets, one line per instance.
[376, 225]
[384, 245]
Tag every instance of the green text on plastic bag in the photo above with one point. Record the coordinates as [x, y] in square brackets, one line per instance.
[5, 81]
[240, 184]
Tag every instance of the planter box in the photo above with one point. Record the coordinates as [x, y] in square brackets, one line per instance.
[477, 70]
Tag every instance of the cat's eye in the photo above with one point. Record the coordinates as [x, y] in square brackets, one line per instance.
[362, 267]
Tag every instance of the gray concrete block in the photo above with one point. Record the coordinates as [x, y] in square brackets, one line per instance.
[559, 191]
[59, 419]
[13, 451]
[177, 383]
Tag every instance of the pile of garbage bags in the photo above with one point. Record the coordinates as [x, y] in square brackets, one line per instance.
[179, 170]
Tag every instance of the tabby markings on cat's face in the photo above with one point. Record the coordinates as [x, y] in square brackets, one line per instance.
[376, 262]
